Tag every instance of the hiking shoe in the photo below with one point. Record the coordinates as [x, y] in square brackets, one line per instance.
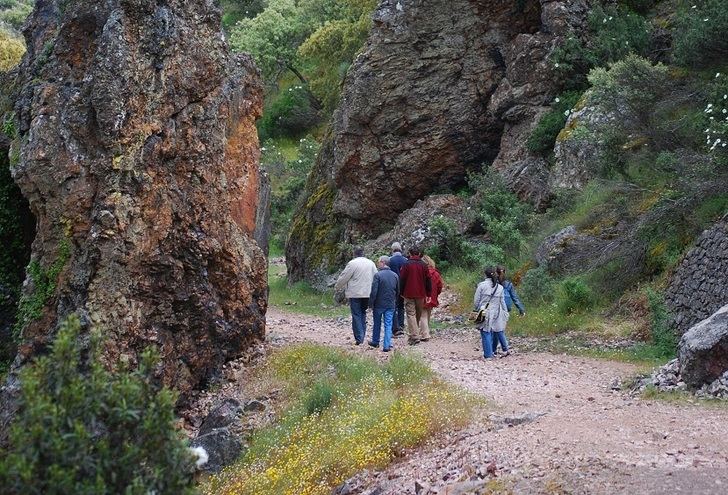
[505, 354]
[425, 340]
[398, 333]
[372, 344]
[387, 349]
[413, 342]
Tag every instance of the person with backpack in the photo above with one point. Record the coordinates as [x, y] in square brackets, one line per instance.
[431, 300]
[356, 280]
[490, 306]
[396, 262]
[383, 301]
[415, 286]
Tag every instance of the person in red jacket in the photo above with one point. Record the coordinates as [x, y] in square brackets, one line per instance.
[415, 284]
[435, 290]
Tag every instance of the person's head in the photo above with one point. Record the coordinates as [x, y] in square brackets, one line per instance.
[358, 252]
[414, 251]
[501, 272]
[396, 247]
[490, 274]
[429, 261]
[383, 261]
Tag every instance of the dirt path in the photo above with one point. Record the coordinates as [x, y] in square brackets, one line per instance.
[574, 433]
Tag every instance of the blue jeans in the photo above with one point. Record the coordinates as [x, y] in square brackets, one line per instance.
[359, 317]
[486, 338]
[500, 337]
[388, 315]
[399, 314]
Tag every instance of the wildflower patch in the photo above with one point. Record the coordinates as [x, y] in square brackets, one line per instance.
[345, 414]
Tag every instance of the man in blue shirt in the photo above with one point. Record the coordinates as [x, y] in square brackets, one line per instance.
[383, 301]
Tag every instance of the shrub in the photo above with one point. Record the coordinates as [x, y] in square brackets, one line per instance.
[543, 136]
[82, 429]
[615, 32]
[452, 249]
[11, 51]
[289, 113]
[716, 118]
[574, 296]
[700, 33]
[537, 286]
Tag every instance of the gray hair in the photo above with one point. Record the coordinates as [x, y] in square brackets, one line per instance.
[396, 247]
[384, 259]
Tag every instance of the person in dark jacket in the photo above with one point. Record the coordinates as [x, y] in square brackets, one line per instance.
[383, 301]
[415, 282]
[396, 262]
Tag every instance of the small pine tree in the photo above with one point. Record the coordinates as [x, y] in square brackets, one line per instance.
[82, 429]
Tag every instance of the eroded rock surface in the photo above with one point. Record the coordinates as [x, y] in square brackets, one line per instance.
[440, 89]
[699, 286]
[139, 157]
[703, 350]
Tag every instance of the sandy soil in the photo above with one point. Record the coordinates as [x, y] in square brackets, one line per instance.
[556, 425]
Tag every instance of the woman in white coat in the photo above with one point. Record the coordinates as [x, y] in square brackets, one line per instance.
[489, 297]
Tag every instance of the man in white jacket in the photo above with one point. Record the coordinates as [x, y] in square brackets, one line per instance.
[356, 280]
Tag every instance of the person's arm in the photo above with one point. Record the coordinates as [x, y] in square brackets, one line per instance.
[478, 296]
[516, 300]
[439, 284]
[374, 291]
[402, 279]
[344, 277]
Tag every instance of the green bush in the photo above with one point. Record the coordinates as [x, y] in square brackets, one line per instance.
[543, 136]
[289, 113]
[664, 340]
[452, 249]
[716, 118]
[615, 32]
[537, 286]
[700, 33]
[574, 296]
[82, 429]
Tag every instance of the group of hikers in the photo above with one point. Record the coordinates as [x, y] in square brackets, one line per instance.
[400, 287]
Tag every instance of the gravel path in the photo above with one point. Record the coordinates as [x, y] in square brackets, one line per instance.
[556, 424]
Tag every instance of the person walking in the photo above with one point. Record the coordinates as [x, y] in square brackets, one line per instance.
[415, 286]
[511, 298]
[396, 262]
[490, 299]
[383, 301]
[356, 280]
[431, 300]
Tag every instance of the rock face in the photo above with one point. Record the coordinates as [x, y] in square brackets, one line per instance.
[703, 350]
[139, 157]
[699, 286]
[441, 88]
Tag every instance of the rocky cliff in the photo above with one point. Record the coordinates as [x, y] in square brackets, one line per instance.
[441, 88]
[139, 157]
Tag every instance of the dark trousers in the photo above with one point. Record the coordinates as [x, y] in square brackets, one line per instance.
[399, 315]
[359, 317]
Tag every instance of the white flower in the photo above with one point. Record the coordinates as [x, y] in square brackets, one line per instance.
[557, 100]
[201, 455]
[717, 74]
[567, 112]
[694, 7]
[705, 20]
[556, 65]
[263, 149]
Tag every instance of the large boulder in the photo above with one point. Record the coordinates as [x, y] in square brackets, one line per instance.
[699, 285]
[441, 88]
[703, 350]
[139, 156]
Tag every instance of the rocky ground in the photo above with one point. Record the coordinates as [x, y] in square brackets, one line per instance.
[556, 424]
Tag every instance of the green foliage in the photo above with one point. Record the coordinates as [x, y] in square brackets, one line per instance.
[453, 249]
[537, 286]
[615, 32]
[504, 217]
[44, 282]
[14, 12]
[700, 33]
[289, 113]
[236, 10]
[664, 341]
[289, 179]
[629, 88]
[543, 136]
[82, 429]
[716, 118]
[12, 49]
[574, 296]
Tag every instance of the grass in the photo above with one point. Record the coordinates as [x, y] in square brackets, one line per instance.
[344, 413]
[300, 297]
[681, 397]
